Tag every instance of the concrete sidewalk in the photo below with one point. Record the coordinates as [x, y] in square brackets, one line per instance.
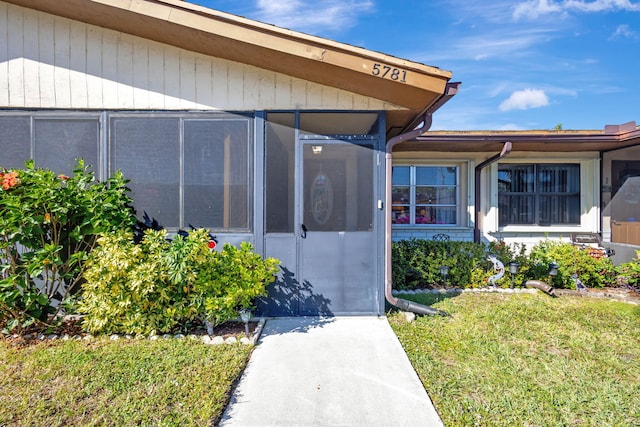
[342, 371]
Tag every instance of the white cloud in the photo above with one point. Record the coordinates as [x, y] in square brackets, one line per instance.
[524, 100]
[474, 11]
[601, 5]
[496, 89]
[471, 119]
[532, 9]
[317, 16]
[623, 31]
[488, 46]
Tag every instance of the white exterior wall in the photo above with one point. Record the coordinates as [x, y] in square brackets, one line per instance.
[458, 234]
[52, 62]
[490, 231]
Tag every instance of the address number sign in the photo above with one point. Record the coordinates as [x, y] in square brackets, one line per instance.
[388, 72]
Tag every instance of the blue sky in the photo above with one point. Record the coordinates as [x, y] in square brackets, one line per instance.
[523, 64]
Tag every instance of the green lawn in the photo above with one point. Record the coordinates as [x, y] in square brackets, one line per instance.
[117, 383]
[528, 360]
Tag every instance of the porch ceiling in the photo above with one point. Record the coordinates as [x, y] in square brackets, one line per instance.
[412, 90]
[613, 137]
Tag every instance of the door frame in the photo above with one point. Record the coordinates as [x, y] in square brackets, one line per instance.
[292, 274]
[337, 260]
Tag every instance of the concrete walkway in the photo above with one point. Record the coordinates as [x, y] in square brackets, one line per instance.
[342, 371]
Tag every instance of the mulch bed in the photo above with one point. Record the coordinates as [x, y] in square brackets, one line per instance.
[71, 327]
[628, 293]
[621, 294]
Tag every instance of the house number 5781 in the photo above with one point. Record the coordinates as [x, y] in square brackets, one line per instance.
[387, 72]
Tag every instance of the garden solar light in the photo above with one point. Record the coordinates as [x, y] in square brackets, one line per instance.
[553, 269]
[444, 272]
[245, 316]
[514, 268]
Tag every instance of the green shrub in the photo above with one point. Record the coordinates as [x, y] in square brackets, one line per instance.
[158, 286]
[48, 225]
[506, 253]
[592, 272]
[416, 263]
[235, 278]
[127, 287]
[630, 272]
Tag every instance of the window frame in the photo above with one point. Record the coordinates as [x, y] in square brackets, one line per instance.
[96, 164]
[103, 165]
[413, 205]
[537, 193]
[184, 117]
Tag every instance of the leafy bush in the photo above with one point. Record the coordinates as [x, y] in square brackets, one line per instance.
[630, 272]
[127, 286]
[234, 279]
[506, 253]
[48, 225]
[592, 272]
[416, 262]
[158, 285]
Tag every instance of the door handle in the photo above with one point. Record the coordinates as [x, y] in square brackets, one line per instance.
[303, 232]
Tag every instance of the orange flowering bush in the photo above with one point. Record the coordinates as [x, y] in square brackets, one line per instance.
[9, 179]
[48, 225]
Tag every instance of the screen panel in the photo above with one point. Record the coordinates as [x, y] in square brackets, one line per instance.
[147, 151]
[15, 140]
[76, 138]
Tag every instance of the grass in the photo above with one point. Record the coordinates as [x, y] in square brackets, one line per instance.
[127, 382]
[527, 360]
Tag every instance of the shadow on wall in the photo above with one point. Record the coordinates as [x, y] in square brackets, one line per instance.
[623, 212]
[625, 205]
[286, 297]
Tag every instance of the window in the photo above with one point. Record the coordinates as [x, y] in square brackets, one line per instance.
[186, 171]
[425, 195]
[76, 138]
[183, 168]
[216, 173]
[15, 140]
[539, 194]
[53, 142]
[280, 143]
[147, 151]
[338, 186]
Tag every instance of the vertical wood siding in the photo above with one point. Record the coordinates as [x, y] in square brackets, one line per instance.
[52, 62]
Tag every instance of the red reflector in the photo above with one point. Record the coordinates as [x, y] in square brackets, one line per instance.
[211, 244]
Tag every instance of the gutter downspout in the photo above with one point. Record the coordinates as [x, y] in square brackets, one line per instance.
[405, 305]
[506, 149]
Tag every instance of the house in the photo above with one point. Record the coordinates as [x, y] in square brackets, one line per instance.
[259, 133]
[317, 152]
[521, 186]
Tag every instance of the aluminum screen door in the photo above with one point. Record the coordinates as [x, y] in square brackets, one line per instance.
[337, 253]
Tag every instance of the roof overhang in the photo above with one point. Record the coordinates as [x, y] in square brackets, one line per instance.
[414, 88]
[613, 137]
